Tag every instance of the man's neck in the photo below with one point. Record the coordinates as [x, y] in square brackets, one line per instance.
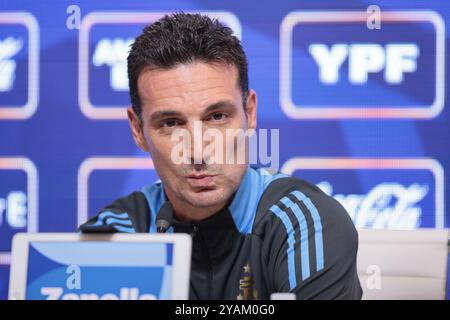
[185, 212]
[193, 215]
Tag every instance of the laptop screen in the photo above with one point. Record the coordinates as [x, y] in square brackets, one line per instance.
[99, 270]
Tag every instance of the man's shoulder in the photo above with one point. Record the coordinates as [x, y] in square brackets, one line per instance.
[297, 221]
[297, 198]
[125, 214]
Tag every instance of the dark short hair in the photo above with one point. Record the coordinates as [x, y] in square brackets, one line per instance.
[182, 38]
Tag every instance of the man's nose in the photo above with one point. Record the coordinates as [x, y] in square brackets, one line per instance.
[197, 143]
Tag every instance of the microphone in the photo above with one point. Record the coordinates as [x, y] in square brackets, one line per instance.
[164, 217]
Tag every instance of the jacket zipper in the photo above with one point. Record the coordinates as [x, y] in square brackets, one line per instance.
[196, 230]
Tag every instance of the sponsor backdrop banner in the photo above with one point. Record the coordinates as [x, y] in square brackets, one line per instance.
[357, 90]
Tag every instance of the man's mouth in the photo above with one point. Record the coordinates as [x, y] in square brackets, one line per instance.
[201, 180]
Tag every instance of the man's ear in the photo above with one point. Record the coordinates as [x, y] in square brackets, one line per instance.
[251, 109]
[136, 129]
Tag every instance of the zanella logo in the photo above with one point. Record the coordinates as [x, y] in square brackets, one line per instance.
[385, 206]
[57, 293]
[9, 47]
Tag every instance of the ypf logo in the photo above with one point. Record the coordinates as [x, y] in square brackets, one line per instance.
[401, 194]
[18, 201]
[105, 39]
[396, 71]
[19, 58]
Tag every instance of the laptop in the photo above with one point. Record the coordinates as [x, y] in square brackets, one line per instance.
[68, 266]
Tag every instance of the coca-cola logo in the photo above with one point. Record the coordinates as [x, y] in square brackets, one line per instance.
[387, 205]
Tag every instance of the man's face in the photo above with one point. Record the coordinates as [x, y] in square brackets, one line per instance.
[209, 96]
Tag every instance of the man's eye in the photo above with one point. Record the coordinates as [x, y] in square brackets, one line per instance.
[218, 116]
[170, 123]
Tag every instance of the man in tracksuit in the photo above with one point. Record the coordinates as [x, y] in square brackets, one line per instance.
[254, 233]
